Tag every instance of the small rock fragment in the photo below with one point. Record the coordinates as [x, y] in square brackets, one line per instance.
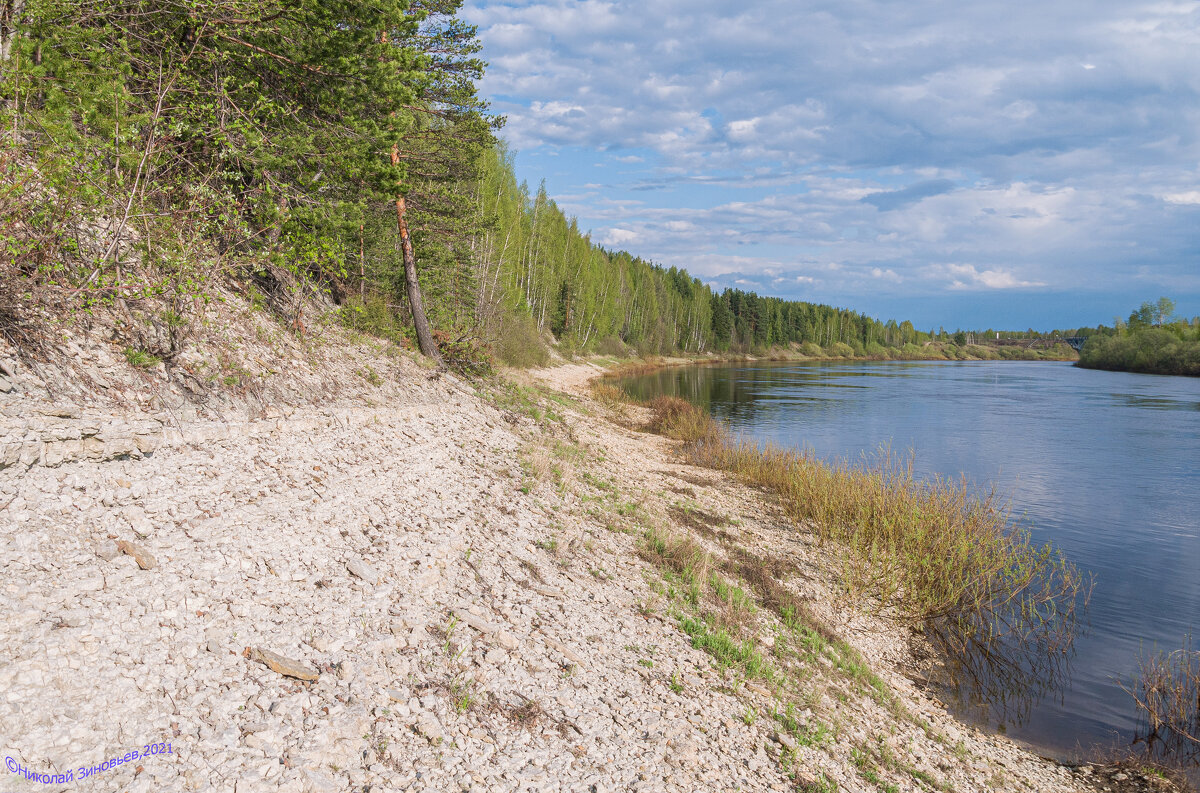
[138, 521]
[107, 550]
[316, 782]
[429, 727]
[61, 411]
[284, 666]
[139, 554]
[363, 570]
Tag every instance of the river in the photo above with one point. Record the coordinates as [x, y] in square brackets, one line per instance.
[1105, 465]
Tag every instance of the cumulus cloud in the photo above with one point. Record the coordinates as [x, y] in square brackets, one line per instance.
[615, 237]
[965, 276]
[1035, 145]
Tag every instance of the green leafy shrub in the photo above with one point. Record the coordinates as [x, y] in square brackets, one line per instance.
[612, 345]
[518, 342]
[877, 351]
[1150, 351]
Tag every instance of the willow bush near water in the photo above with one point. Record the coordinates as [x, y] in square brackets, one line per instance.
[1168, 691]
[928, 553]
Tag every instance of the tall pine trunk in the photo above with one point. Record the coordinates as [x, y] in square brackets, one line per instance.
[415, 303]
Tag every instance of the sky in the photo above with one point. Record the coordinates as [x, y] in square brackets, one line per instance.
[1003, 164]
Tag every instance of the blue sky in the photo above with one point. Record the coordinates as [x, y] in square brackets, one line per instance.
[1008, 164]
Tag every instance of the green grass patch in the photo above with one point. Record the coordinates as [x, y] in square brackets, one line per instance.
[141, 358]
[727, 651]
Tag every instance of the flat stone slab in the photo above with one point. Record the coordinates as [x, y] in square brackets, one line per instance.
[284, 666]
[361, 569]
[140, 555]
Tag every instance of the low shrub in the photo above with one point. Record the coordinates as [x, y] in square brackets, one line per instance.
[1168, 692]
[840, 350]
[812, 350]
[518, 343]
[679, 419]
[611, 345]
[877, 351]
[368, 314]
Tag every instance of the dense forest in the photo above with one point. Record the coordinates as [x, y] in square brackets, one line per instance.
[307, 151]
[1151, 341]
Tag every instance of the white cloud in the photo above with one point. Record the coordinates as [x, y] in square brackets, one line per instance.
[1190, 197]
[966, 277]
[618, 236]
[1060, 136]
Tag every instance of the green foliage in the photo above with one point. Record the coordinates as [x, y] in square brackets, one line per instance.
[534, 260]
[140, 358]
[154, 146]
[1146, 349]
[518, 342]
[613, 346]
[372, 315]
[727, 651]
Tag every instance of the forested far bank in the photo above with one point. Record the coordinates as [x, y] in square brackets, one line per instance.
[1152, 341]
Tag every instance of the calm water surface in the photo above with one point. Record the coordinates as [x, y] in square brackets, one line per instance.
[1105, 465]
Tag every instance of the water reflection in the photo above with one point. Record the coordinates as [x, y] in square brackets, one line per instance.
[1103, 464]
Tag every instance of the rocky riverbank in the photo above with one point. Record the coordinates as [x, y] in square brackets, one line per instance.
[343, 571]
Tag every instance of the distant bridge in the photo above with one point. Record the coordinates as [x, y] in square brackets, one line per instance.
[1040, 343]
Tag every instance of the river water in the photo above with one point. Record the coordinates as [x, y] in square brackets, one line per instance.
[1105, 465]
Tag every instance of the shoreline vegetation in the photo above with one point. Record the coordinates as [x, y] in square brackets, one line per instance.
[620, 367]
[944, 561]
[930, 554]
[1151, 341]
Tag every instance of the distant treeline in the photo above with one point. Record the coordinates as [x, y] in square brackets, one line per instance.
[1151, 341]
[539, 269]
[538, 273]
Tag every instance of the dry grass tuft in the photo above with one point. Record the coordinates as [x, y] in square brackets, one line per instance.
[677, 552]
[679, 419]
[609, 395]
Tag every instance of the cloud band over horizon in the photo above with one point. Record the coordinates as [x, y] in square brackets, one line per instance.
[870, 154]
